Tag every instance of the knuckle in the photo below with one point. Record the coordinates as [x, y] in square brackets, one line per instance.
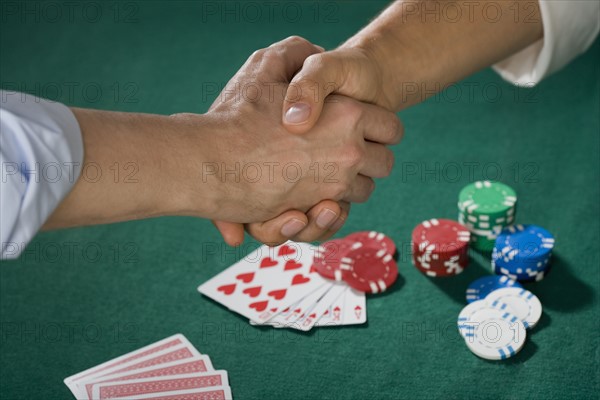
[271, 56]
[315, 61]
[353, 110]
[257, 55]
[338, 190]
[296, 39]
[354, 154]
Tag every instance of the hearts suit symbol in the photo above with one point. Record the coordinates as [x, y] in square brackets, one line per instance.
[299, 279]
[278, 294]
[267, 262]
[291, 264]
[285, 250]
[259, 305]
[253, 291]
[246, 278]
[227, 289]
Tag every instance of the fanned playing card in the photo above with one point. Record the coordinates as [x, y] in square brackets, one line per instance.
[163, 384]
[300, 309]
[171, 369]
[266, 281]
[184, 366]
[350, 308]
[173, 348]
[212, 393]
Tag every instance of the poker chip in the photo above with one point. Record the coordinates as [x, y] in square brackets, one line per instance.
[491, 333]
[364, 260]
[495, 335]
[480, 288]
[328, 256]
[369, 269]
[440, 247]
[373, 239]
[523, 252]
[485, 208]
[524, 304]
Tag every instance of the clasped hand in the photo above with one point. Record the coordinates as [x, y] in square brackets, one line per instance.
[285, 185]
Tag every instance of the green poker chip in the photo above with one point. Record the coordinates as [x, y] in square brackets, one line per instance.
[487, 198]
[486, 208]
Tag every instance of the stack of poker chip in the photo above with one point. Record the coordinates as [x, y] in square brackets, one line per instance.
[486, 208]
[440, 247]
[479, 289]
[523, 253]
[363, 260]
[494, 327]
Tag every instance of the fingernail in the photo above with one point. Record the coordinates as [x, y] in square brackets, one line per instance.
[292, 227]
[326, 218]
[297, 114]
[337, 225]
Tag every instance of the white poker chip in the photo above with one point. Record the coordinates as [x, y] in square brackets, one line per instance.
[492, 336]
[524, 304]
[491, 333]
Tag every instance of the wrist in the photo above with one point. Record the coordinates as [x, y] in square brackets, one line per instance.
[405, 60]
[398, 67]
[195, 188]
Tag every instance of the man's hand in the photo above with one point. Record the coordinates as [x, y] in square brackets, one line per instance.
[352, 72]
[409, 53]
[347, 119]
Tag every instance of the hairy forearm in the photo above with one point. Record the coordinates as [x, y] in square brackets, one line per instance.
[135, 166]
[424, 45]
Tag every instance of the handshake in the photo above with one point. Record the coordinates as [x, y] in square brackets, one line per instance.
[292, 145]
[296, 136]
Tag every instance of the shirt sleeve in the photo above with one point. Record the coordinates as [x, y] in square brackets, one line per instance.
[41, 155]
[570, 27]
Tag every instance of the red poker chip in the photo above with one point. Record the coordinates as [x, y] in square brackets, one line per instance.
[373, 239]
[328, 255]
[435, 265]
[369, 269]
[441, 236]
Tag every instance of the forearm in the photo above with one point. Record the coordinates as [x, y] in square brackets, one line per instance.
[425, 45]
[136, 166]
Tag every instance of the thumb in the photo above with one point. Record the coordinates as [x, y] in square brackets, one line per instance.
[233, 233]
[320, 75]
[346, 71]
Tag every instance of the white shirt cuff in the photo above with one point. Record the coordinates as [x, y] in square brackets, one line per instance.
[41, 154]
[570, 27]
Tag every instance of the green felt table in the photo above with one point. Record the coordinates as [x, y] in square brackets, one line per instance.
[78, 297]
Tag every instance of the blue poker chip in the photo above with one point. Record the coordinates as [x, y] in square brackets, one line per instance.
[524, 242]
[479, 289]
[526, 275]
[523, 253]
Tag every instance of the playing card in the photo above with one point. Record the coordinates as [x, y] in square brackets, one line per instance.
[171, 341]
[212, 393]
[138, 387]
[178, 343]
[266, 281]
[301, 310]
[185, 366]
[355, 307]
[311, 317]
[292, 311]
[348, 309]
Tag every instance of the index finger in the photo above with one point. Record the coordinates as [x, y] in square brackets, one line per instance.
[380, 125]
